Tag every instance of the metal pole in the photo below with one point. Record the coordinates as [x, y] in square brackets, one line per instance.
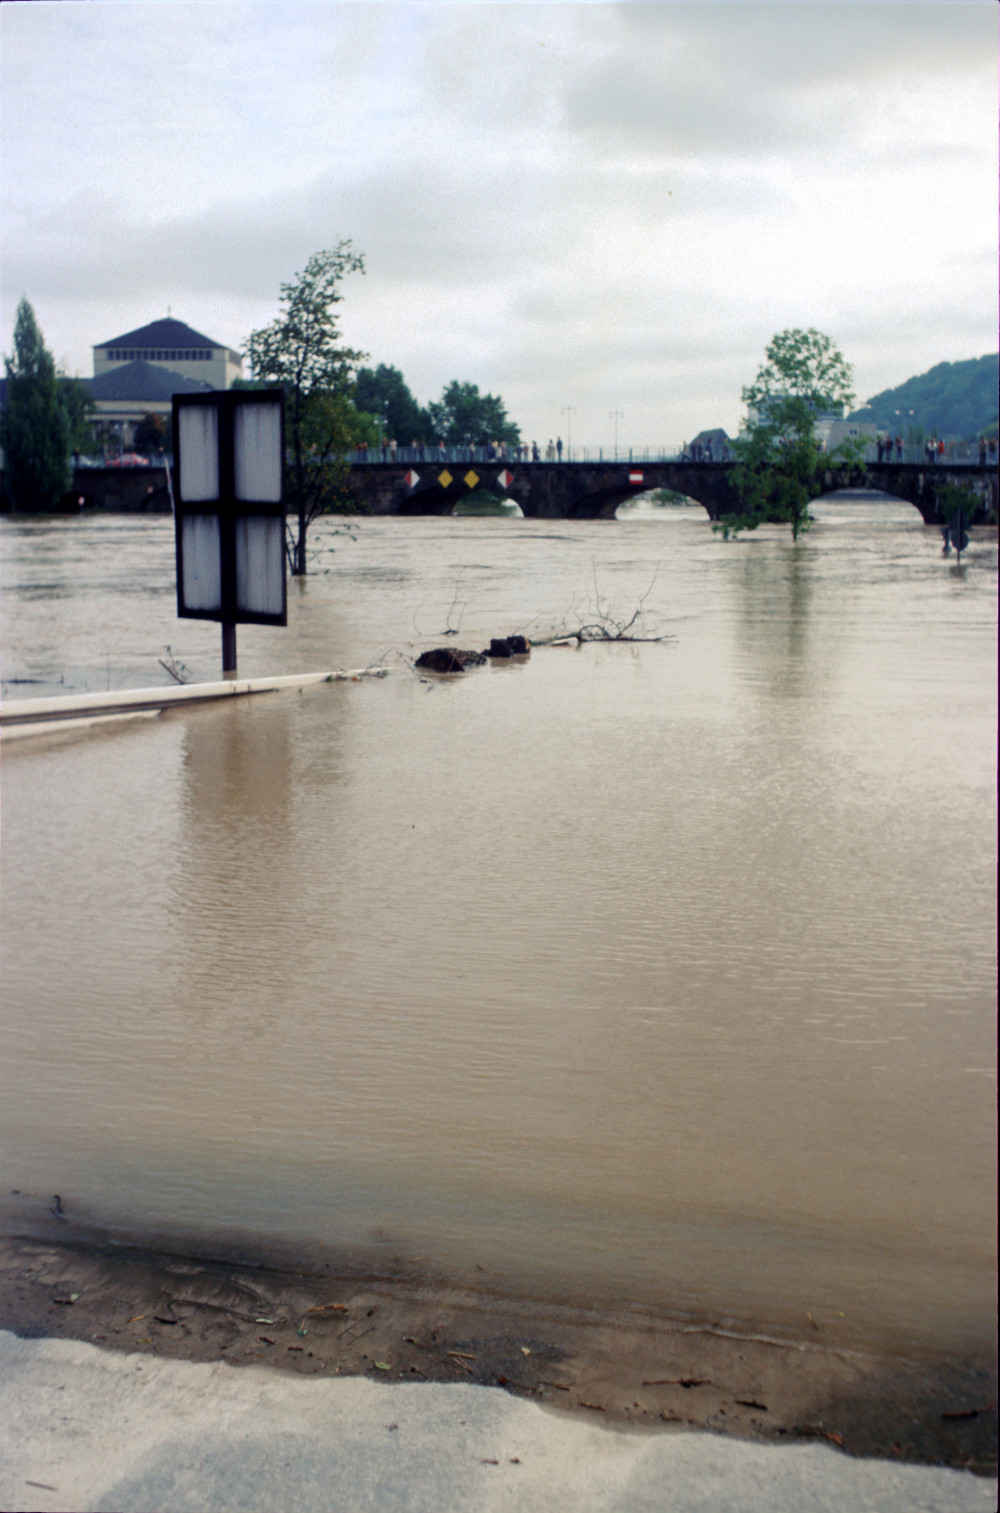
[228, 649]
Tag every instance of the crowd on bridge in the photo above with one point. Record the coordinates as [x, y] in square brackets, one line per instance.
[491, 451]
[933, 452]
[703, 452]
[936, 452]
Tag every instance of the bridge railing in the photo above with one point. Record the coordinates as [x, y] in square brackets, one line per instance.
[486, 456]
[954, 455]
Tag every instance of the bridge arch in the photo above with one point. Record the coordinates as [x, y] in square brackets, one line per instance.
[592, 491]
[448, 501]
[864, 494]
[683, 501]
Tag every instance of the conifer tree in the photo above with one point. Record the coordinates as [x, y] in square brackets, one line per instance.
[36, 427]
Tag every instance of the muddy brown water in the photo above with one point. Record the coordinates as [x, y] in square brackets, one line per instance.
[660, 974]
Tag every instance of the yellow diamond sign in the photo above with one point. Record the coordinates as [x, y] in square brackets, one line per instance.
[445, 478]
[471, 478]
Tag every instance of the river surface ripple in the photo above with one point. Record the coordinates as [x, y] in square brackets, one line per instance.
[661, 973]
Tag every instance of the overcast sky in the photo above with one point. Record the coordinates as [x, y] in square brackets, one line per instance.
[603, 206]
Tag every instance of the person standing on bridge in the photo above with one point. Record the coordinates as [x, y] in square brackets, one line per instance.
[899, 448]
[536, 455]
[559, 448]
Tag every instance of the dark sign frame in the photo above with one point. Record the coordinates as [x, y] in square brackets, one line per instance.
[228, 507]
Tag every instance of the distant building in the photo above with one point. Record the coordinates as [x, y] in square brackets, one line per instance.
[139, 373]
[715, 440]
[833, 432]
[173, 345]
[122, 396]
[830, 426]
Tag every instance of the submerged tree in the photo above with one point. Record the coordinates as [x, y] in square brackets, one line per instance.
[301, 351]
[36, 425]
[780, 459]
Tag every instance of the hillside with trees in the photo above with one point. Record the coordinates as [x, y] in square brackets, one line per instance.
[952, 400]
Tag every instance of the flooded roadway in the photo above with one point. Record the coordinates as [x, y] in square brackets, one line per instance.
[657, 972]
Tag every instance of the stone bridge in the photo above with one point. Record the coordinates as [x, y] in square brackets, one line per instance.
[555, 490]
[594, 490]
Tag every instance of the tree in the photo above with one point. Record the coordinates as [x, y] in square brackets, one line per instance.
[36, 427]
[301, 351]
[780, 459]
[150, 434]
[383, 392]
[463, 414]
[79, 405]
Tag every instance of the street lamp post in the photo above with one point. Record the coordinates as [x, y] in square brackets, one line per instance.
[569, 411]
[616, 416]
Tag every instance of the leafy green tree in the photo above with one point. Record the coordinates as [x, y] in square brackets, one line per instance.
[958, 499]
[301, 351]
[36, 428]
[383, 392]
[79, 404]
[463, 414]
[780, 460]
[150, 434]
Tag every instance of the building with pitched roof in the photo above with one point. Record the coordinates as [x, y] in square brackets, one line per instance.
[171, 344]
[138, 374]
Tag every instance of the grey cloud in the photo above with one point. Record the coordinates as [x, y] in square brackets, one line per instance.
[745, 79]
[622, 100]
[781, 45]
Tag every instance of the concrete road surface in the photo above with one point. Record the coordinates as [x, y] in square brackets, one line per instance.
[83, 1428]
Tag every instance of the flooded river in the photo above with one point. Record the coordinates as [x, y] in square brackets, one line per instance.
[658, 972]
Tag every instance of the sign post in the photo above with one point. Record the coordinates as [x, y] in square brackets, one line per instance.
[229, 449]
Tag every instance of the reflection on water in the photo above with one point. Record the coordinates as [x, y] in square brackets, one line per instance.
[658, 971]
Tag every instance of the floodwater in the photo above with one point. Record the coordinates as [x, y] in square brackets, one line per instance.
[659, 972]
